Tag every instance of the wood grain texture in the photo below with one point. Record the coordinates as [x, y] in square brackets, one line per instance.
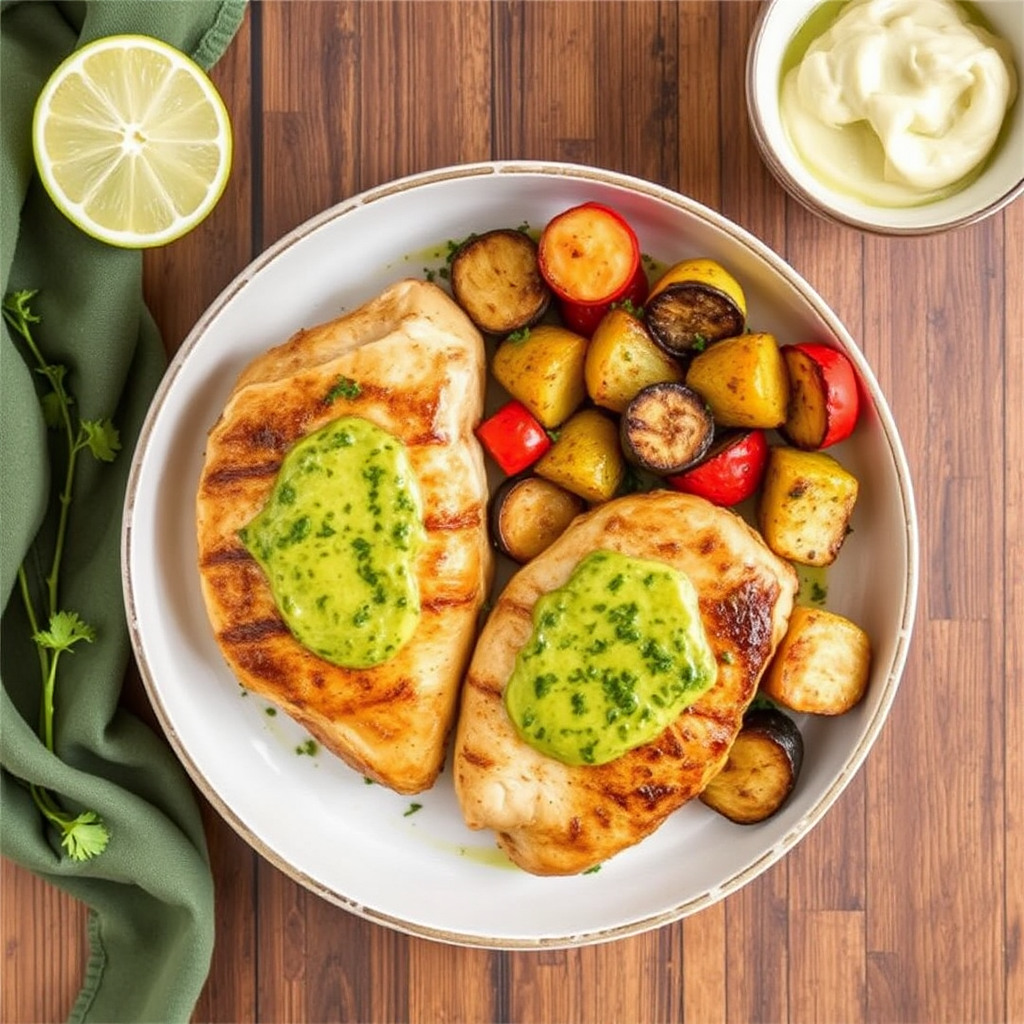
[906, 904]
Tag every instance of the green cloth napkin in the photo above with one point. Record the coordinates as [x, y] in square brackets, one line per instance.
[150, 893]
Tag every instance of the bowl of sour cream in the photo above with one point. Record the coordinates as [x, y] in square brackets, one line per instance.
[892, 116]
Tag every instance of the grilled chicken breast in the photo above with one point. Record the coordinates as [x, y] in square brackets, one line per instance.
[414, 366]
[553, 818]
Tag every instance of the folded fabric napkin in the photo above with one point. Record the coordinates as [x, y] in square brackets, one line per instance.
[150, 892]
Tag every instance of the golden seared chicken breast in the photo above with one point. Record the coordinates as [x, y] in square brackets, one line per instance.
[612, 676]
[341, 518]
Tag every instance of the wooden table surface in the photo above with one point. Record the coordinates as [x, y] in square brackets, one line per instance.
[907, 902]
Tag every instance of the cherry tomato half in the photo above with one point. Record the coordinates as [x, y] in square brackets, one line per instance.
[732, 471]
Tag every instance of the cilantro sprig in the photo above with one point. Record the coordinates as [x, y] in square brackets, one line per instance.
[84, 835]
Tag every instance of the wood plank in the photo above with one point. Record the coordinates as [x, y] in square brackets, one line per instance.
[827, 944]
[45, 947]
[1013, 555]
[611, 981]
[757, 940]
[750, 196]
[180, 280]
[703, 986]
[447, 983]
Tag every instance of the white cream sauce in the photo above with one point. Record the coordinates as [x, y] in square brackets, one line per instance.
[899, 100]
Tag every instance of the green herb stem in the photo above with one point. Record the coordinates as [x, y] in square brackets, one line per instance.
[85, 835]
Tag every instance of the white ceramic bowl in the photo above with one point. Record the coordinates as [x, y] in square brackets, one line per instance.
[356, 844]
[999, 184]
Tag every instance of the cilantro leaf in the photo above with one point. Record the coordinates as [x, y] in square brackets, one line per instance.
[102, 439]
[85, 836]
[65, 630]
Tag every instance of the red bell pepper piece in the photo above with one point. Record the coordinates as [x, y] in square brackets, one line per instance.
[513, 437]
[731, 473]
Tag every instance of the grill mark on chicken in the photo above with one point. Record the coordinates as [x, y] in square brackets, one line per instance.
[226, 556]
[474, 757]
[439, 604]
[744, 617]
[232, 474]
[254, 632]
[467, 519]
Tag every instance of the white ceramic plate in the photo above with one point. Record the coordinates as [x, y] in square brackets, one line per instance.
[360, 845]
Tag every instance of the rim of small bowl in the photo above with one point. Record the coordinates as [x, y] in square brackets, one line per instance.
[818, 204]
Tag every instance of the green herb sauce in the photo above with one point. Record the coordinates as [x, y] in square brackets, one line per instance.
[615, 655]
[338, 538]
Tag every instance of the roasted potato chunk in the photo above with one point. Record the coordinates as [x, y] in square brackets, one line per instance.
[544, 370]
[622, 359]
[586, 459]
[744, 380]
[807, 499]
[822, 665]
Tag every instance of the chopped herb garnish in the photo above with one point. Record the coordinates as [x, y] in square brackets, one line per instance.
[343, 387]
[521, 335]
[699, 343]
[594, 870]
[412, 809]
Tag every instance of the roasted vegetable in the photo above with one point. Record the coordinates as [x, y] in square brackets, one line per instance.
[806, 502]
[586, 459]
[761, 770]
[666, 428]
[622, 358]
[731, 471]
[693, 304]
[744, 380]
[584, 319]
[513, 437]
[823, 396]
[821, 666]
[588, 254]
[496, 280]
[528, 513]
[543, 368]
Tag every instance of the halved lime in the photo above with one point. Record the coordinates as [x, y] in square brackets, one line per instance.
[132, 141]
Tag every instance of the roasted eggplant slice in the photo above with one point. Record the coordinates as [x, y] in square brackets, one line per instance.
[761, 769]
[496, 280]
[528, 513]
[687, 316]
[666, 428]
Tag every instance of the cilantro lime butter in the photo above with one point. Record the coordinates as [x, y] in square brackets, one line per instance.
[337, 540]
[615, 655]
